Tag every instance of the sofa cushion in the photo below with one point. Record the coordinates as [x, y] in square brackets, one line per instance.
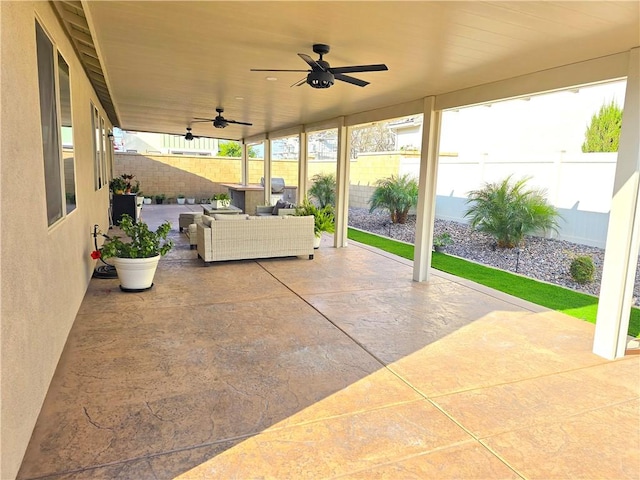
[223, 217]
[281, 204]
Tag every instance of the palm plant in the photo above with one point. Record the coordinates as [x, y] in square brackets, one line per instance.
[508, 211]
[396, 194]
[323, 189]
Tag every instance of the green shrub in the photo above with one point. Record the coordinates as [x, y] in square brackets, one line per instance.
[323, 189]
[582, 269]
[509, 211]
[603, 134]
[396, 194]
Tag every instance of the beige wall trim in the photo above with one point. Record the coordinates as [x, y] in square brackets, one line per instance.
[591, 71]
[287, 132]
[623, 235]
[384, 114]
[342, 185]
[324, 125]
[426, 208]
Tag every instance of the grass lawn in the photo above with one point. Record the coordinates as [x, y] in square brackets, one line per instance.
[576, 304]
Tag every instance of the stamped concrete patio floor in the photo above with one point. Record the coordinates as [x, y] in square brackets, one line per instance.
[336, 367]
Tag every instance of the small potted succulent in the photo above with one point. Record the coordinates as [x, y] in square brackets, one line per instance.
[180, 199]
[160, 198]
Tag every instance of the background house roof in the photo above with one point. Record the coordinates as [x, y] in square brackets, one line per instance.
[163, 64]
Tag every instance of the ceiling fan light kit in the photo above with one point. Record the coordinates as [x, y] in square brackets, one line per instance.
[322, 75]
[320, 79]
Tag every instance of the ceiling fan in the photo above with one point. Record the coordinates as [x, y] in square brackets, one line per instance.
[322, 75]
[189, 136]
[220, 121]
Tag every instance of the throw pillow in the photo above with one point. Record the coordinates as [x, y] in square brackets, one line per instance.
[279, 204]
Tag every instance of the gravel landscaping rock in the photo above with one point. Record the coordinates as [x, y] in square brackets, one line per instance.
[539, 258]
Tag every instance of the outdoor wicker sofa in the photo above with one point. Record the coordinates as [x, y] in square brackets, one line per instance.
[240, 237]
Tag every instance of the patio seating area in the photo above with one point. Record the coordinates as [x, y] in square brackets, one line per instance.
[340, 367]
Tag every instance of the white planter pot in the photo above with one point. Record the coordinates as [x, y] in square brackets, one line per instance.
[136, 274]
[147, 201]
[316, 241]
[220, 203]
[180, 201]
[191, 201]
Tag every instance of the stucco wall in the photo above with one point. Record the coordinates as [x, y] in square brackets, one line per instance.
[44, 270]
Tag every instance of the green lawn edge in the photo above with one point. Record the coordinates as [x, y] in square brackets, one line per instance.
[554, 297]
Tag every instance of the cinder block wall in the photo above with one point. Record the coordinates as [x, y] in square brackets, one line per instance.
[198, 177]
[201, 177]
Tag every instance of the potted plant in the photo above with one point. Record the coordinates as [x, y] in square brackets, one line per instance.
[442, 240]
[180, 199]
[160, 198]
[136, 257]
[147, 200]
[117, 185]
[220, 200]
[324, 218]
[191, 200]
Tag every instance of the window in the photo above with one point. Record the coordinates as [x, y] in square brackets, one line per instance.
[66, 133]
[98, 180]
[49, 123]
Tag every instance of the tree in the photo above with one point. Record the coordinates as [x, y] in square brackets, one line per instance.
[372, 138]
[323, 189]
[509, 211]
[603, 135]
[233, 149]
[396, 194]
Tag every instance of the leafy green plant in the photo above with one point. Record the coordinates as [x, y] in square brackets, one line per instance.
[323, 189]
[396, 194]
[582, 269]
[159, 198]
[234, 149]
[117, 185]
[509, 210]
[141, 241]
[220, 196]
[324, 216]
[181, 195]
[603, 134]
[442, 240]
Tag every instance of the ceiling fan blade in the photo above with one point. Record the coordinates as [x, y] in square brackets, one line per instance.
[275, 70]
[198, 120]
[359, 68]
[353, 81]
[239, 123]
[300, 82]
[312, 63]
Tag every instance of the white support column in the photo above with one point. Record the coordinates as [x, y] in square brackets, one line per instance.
[244, 165]
[267, 171]
[342, 186]
[303, 167]
[426, 208]
[623, 235]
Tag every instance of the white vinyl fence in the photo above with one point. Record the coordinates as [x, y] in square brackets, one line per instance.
[579, 185]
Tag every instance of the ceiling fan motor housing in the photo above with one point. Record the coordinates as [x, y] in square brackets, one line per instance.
[319, 79]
